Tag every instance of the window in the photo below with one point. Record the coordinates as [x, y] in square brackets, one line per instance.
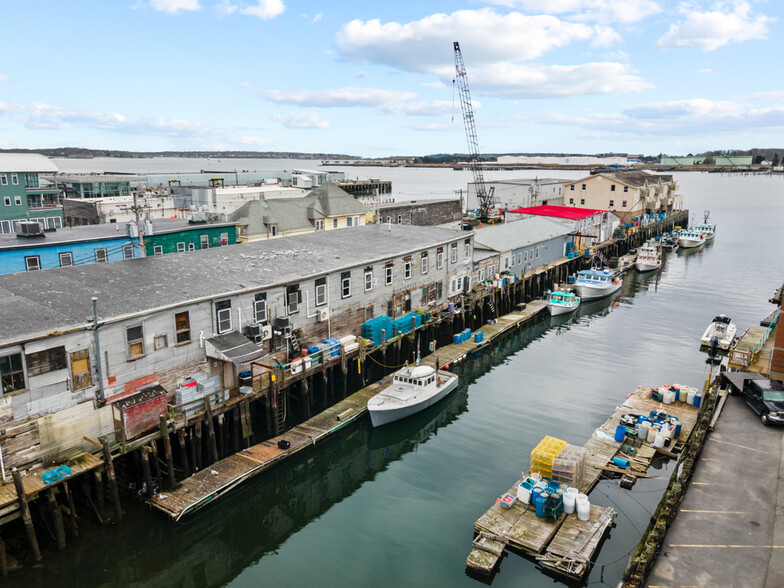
[356, 221]
[224, 238]
[400, 219]
[32, 263]
[320, 225]
[407, 270]
[424, 264]
[18, 200]
[81, 372]
[571, 187]
[14, 179]
[135, 339]
[321, 291]
[191, 246]
[583, 187]
[157, 250]
[31, 180]
[7, 201]
[531, 254]
[43, 362]
[389, 275]
[623, 204]
[3, 180]
[582, 201]
[537, 253]
[345, 284]
[127, 251]
[349, 221]
[204, 241]
[506, 262]
[160, 342]
[66, 259]
[612, 188]
[368, 280]
[440, 258]
[260, 307]
[612, 203]
[626, 188]
[491, 271]
[223, 316]
[273, 230]
[571, 200]
[182, 327]
[181, 247]
[519, 258]
[453, 253]
[11, 373]
[334, 223]
[389, 219]
[100, 255]
[525, 255]
[481, 274]
[467, 250]
[293, 298]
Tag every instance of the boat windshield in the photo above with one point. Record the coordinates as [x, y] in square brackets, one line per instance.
[773, 395]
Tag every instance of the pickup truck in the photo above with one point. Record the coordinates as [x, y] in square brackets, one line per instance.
[766, 398]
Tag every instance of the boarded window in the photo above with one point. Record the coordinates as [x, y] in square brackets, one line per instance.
[182, 326]
[46, 361]
[80, 369]
[11, 373]
[135, 338]
[161, 342]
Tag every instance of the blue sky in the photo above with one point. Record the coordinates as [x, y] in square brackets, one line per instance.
[375, 78]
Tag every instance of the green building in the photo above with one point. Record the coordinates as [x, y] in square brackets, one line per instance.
[97, 185]
[23, 197]
[190, 237]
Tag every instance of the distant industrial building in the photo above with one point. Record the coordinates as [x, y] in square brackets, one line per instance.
[564, 160]
[420, 212]
[718, 160]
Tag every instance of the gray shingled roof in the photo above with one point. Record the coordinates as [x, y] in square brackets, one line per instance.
[332, 200]
[521, 233]
[36, 303]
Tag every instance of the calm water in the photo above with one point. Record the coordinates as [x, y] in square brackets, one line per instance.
[396, 508]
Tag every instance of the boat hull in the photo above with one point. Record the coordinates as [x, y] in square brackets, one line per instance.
[690, 243]
[556, 309]
[642, 266]
[595, 292]
[381, 416]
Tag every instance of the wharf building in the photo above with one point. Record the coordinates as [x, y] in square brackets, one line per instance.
[420, 212]
[25, 195]
[525, 192]
[590, 226]
[65, 359]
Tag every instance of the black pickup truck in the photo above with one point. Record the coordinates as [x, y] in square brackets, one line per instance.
[766, 398]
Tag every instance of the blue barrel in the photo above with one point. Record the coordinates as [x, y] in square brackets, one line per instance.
[697, 400]
[620, 462]
[540, 500]
[479, 336]
[451, 307]
[677, 431]
[457, 339]
[620, 433]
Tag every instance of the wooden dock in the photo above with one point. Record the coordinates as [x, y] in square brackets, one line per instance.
[566, 545]
[205, 486]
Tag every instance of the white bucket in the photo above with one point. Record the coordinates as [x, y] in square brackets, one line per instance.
[652, 434]
[583, 509]
[690, 397]
[659, 440]
[523, 494]
[569, 502]
[668, 397]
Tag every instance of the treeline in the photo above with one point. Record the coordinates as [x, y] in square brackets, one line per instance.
[80, 153]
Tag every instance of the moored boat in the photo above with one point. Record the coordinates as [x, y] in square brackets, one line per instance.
[412, 390]
[649, 257]
[691, 239]
[720, 333]
[708, 228]
[591, 284]
[560, 302]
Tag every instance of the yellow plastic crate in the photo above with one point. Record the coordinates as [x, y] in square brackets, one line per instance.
[543, 455]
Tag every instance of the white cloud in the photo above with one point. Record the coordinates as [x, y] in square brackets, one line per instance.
[3, 78]
[727, 22]
[622, 11]
[341, 97]
[175, 6]
[226, 8]
[436, 108]
[258, 141]
[435, 85]
[316, 18]
[772, 96]
[304, 120]
[265, 9]
[706, 70]
[360, 74]
[245, 84]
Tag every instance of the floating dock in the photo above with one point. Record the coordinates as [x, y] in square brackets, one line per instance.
[567, 545]
[205, 486]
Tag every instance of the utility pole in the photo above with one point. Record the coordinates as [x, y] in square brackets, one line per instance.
[139, 227]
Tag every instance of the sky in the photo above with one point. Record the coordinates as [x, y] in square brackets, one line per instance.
[375, 79]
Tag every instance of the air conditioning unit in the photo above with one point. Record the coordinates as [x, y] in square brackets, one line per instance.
[323, 314]
[282, 326]
[28, 228]
[133, 230]
[266, 332]
[254, 332]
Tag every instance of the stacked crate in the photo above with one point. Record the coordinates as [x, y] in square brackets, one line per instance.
[543, 455]
[567, 467]
[190, 396]
[373, 328]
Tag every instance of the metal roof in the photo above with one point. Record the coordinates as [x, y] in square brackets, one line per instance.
[37, 303]
[26, 162]
[567, 212]
[521, 233]
[95, 178]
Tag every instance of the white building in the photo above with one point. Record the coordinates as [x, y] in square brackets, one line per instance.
[520, 193]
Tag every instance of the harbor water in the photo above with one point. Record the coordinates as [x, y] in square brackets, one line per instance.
[395, 506]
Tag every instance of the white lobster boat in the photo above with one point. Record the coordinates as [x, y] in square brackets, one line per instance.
[413, 389]
[649, 258]
[706, 227]
[691, 238]
[559, 302]
[592, 284]
[720, 333]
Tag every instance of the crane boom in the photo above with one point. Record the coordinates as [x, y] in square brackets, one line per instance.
[485, 198]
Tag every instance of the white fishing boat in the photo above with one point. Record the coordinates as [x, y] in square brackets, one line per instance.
[649, 257]
[720, 333]
[412, 390]
[691, 238]
[591, 284]
[560, 302]
[706, 227]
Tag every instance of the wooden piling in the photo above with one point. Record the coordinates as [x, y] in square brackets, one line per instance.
[306, 397]
[57, 518]
[246, 423]
[183, 453]
[73, 524]
[111, 480]
[221, 436]
[196, 442]
[211, 431]
[235, 428]
[145, 455]
[3, 559]
[167, 450]
[192, 451]
[156, 462]
[24, 510]
[100, 496]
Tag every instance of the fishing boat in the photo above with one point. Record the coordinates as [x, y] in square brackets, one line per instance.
[720, 333]
[560, 302]
[691, 239]
[669, 241]
[412, 390]
[591, 284]
[706, 227]
[649, 257]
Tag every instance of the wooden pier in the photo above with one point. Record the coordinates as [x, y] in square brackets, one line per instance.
[205, 486]
[566, 545]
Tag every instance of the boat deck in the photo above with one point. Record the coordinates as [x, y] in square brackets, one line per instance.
[520, 528]
[222, 476]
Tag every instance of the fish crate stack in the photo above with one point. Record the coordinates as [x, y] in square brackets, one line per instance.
[544, 454]
[190, 396]
[568, 464]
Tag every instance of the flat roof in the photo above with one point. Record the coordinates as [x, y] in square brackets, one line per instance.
[93, 178]
[102, 232]
[26, 162]
[567, 212]
[34, 304]
[404, 203]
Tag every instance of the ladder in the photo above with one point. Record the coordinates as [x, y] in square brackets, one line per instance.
[295, 353]
[492, 306]
[280, 399]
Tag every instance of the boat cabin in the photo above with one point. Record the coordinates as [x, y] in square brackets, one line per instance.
[600, 276]
[562, 297]
[421, 375]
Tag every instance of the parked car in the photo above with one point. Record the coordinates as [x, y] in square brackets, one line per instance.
[766, 398]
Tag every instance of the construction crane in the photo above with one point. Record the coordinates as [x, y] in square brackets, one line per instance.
[485, 198]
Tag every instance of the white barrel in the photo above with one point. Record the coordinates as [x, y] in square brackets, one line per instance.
[660, 439]
[642, 430]
[668, 397]
[569, 501]
[652, 434]
[583, 508]
[690, 397]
